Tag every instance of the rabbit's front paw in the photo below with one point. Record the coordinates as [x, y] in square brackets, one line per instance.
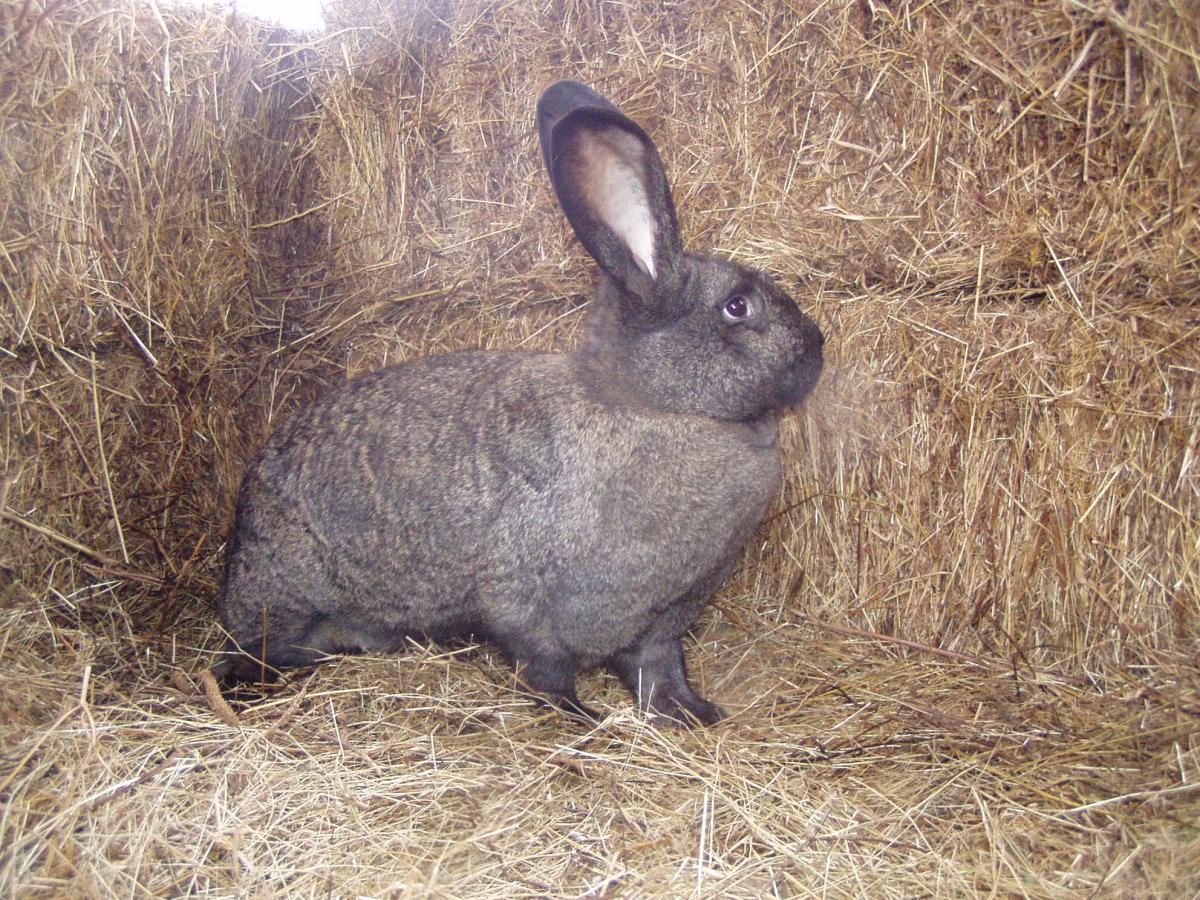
[551, 681]
[655, 672]
[687, 711]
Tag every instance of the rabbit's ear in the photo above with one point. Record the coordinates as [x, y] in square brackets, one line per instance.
[611, 184]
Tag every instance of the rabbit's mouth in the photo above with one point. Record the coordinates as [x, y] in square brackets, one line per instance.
[802, 376]
[799, 380]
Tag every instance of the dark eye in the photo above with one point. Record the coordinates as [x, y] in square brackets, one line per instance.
[736, 308]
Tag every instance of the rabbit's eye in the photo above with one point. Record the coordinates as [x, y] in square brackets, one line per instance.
[736, 308]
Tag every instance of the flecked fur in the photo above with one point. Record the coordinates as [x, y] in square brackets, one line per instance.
[577, 509]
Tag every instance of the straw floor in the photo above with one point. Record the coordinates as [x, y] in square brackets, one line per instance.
[962, 656]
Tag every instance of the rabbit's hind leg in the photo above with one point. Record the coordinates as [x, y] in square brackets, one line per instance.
[259, 658]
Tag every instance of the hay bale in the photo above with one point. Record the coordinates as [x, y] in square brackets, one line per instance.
[144, 163]
[964, 653]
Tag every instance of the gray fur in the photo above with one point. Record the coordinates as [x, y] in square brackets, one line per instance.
[577, 509]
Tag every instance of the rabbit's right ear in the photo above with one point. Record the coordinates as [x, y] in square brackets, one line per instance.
[611, 185]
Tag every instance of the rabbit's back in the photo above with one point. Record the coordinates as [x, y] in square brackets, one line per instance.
[487, 494]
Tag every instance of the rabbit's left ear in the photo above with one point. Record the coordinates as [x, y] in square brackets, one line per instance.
[611, 184]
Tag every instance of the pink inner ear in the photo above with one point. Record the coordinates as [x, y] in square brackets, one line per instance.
[612, 163]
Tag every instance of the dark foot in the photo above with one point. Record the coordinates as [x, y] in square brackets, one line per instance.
[654, 671]
[243, 679]
[570, 705]
[552, 683]
[238, 670]
[694, 711]
[240, 665]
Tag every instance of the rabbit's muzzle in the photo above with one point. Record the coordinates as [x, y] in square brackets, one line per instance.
[798, 379]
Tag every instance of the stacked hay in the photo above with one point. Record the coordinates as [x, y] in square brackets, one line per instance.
[143, 167]
[963, 656]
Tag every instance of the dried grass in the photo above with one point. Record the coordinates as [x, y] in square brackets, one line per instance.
[962, 659]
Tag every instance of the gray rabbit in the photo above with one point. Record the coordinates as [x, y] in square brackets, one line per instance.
[576, 509]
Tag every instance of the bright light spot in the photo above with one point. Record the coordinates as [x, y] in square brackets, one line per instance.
[300, 15]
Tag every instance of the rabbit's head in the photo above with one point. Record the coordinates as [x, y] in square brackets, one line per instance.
[683, 331]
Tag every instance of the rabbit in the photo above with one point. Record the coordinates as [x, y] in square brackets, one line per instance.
[576, 509]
